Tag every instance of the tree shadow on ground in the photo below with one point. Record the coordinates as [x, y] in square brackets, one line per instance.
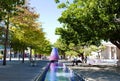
[101, 74]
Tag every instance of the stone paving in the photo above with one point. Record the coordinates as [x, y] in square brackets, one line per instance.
[17, 71]
[97, 72]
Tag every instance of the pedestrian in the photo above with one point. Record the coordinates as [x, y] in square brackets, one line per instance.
[85, 59]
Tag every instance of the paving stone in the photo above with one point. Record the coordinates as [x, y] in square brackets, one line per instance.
[17, 71]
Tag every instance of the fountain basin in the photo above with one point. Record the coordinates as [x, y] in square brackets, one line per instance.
[56, 71]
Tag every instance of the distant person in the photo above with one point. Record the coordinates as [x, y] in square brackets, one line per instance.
[73, 60]
[85, 59]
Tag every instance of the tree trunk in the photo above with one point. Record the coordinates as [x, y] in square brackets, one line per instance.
[10, 54]
[6, 40]
[23, 56]
[64, 56]
[116, 43]
[30, 54]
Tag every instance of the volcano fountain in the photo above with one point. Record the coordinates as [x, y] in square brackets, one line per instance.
[56, 71]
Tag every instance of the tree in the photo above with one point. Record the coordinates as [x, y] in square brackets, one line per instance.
[91, 21]
[70, 49]
[8, 8]
[26, 31]
[44, 47]
[62, 46]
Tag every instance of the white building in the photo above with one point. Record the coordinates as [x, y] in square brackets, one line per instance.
[110, 52]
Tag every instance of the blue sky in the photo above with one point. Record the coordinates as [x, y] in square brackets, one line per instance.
[48, 16]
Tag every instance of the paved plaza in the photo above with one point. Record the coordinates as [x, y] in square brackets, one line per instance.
[18, 71]
[97, 72]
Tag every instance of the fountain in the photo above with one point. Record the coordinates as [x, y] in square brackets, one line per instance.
[54, 55]
[56, 71]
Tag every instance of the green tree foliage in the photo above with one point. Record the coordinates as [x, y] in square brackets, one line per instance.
[62, 46]
[21, 28]
[71, 53]
[8, 8]
[91, 21]
[57, 1]
[93, 48]
[27, 32]
[44, 47]
[68, 50]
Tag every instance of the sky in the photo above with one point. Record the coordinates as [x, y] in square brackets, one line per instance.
[48, 17]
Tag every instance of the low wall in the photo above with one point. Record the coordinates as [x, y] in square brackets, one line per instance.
[73, 76]
[41, 76]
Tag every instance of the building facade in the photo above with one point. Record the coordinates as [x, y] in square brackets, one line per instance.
[111, 52]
